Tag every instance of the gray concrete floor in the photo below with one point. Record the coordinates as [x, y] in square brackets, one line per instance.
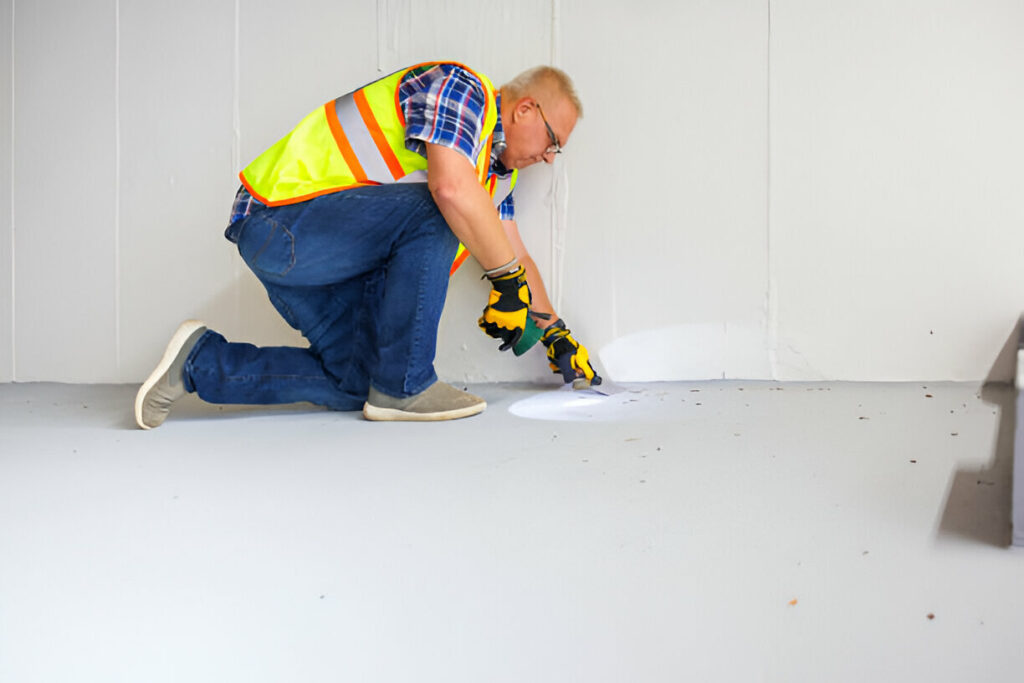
[714, 531]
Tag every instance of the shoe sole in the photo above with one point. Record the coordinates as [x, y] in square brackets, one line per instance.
[181, 336]
[377, 414]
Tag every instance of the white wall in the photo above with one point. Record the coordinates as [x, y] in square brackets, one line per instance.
[666, 260]
[897, 177]
[792, 190]
[64, 171]
[6, 236]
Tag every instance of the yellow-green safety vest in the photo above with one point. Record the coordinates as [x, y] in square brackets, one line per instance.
[356, 140]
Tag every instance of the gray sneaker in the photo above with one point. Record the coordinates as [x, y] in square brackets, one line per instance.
[439, 401]
[166, 384]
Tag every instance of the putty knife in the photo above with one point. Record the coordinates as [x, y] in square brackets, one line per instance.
[598, 387]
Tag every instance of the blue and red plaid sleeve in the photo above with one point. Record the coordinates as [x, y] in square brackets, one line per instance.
[443, 105]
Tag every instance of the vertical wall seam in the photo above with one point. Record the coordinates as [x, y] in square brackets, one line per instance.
[14, 336]
[770, 293]
[236, 125]
[556, 232]
[381, 25]
[556, 26]
[236, 111]
[117, 185]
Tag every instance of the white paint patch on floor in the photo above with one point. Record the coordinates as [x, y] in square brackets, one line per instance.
[566, 404]
[711, 531]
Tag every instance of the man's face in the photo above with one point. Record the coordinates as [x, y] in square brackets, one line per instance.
[527, 139]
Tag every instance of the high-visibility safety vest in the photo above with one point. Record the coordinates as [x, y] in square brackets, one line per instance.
[356, 140]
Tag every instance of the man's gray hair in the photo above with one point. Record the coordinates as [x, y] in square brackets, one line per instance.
[528, 82]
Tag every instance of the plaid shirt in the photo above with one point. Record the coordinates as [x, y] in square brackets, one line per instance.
[443, 105]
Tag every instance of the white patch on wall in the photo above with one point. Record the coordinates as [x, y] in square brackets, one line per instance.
[687, 352]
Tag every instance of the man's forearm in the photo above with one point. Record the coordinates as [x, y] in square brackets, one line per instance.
[541, 302]
[466, 207]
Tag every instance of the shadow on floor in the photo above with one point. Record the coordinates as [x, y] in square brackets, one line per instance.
[979, 501]
[978, 504]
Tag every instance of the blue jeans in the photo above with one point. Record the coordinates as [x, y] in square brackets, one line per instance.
[363, 275]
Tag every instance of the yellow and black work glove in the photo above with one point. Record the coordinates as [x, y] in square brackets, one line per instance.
[504, 316]
[566, 355]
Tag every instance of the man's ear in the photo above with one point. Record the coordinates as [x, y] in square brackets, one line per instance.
[524, 105]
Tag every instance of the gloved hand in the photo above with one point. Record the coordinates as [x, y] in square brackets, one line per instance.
[504, 316]
[566, 355]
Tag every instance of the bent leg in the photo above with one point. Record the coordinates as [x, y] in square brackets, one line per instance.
[231, 372]
[363, 275]
[413, 298]
[394, 231]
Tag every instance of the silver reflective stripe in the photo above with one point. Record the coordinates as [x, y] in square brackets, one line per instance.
[502, 187]
[419, 176]
[362, 143]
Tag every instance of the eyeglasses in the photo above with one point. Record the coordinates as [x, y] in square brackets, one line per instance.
[555, 148]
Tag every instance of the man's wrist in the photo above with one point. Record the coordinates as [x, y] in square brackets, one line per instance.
[543, 323]
[554, 329]
[503, 270]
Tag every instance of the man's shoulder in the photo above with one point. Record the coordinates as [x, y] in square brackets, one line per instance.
[446, 65]
[424, 74]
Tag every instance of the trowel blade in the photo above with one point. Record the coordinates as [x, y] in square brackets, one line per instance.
[605, 388]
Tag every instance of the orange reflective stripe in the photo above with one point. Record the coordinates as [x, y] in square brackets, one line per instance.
[251, 189]
[343, 146]
[378, 135]
[362, 144]
[459, 259]
[300, 198]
